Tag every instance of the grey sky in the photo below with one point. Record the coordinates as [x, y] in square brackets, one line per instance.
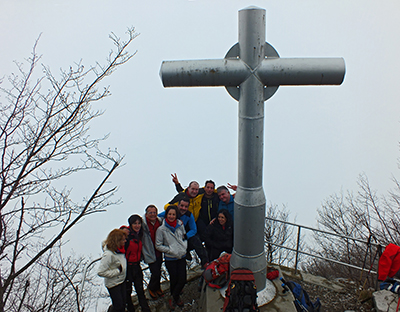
[317, 139]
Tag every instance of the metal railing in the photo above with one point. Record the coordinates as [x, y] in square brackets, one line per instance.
[297, 250]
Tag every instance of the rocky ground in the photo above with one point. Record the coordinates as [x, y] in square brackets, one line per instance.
[190, 297]
[332, 301]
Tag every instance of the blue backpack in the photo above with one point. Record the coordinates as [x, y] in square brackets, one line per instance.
[302, 300]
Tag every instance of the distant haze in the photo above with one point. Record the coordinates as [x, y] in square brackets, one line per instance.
[317, 139]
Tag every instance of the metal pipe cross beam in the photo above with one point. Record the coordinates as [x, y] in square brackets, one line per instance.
[252, 71]
[270, 72]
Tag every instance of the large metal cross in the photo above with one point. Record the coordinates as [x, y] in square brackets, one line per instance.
[251, 71]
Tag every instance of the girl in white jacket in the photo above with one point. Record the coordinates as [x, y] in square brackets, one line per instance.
[113, 268]
[171, 240]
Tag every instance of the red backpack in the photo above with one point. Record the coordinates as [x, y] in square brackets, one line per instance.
[217, 271]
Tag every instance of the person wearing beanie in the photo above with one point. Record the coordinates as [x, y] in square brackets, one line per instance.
[125, 228]
[133, 254]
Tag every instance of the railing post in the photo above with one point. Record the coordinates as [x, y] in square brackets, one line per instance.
[297, 249]
[379, 251]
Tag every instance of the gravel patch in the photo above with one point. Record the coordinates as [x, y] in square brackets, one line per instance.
[333, 301]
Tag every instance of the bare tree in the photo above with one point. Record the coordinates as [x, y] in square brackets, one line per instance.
[55, 283]
[279, 234]
[44, 140]
[364, 216]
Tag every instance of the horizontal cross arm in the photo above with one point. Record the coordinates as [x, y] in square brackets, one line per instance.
[301, 71]
[203, 73]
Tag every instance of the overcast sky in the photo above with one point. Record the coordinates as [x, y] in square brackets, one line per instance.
[317, 139]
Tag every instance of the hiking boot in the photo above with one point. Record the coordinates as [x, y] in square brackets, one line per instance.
[153, 295]
[130, 307]
[179, 303]
[200, 284]
[160, 293]
[171, 305]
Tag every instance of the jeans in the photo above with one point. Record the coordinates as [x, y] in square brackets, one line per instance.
[155, 269]
[195, 243]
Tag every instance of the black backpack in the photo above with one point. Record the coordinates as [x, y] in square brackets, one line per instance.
[241, 294]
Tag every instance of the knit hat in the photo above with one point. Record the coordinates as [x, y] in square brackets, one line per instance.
[133, 218]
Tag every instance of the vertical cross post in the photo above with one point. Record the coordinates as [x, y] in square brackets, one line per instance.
[250, 199]
[251, 72]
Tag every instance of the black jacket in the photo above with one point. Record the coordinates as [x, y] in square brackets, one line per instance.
[219, 239]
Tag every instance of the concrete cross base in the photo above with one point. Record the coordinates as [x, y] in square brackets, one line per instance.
[282, 301]
[210, 300]
[270, 299]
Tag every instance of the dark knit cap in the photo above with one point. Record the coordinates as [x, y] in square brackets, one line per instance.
[133, 218]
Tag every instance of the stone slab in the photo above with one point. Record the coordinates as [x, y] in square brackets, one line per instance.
[385, 301]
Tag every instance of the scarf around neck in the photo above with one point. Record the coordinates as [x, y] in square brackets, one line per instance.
[173, 224]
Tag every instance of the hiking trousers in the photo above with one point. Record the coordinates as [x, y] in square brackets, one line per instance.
[118, 297]
[134, 275]
[177, 276]
[155, 269]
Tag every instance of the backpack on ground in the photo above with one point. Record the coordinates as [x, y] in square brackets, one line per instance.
[302, 300]
[241, 294]
[217, 271]
[391, 285]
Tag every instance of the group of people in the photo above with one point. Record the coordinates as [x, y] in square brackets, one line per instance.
[199, 219]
